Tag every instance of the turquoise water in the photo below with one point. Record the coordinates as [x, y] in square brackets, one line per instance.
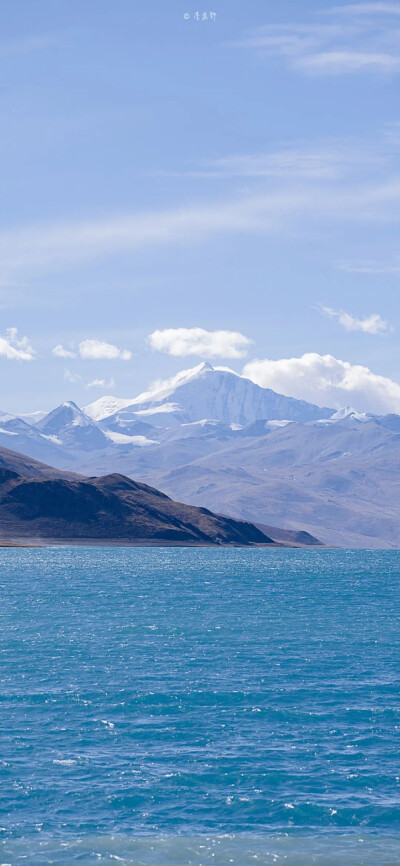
[172, 706]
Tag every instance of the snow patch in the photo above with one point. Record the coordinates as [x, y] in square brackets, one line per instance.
[55, 439]
[124, 439]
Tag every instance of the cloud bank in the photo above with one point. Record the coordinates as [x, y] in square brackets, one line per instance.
[327, 381]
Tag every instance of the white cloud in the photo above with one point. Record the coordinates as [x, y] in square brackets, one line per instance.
[364, 41]
[60, 352]
[101, 383]
[372, 324]
[16, 348]
[327, 381]
[96, 350]
[182, 342]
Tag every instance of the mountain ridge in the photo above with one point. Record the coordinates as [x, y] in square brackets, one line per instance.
[334, 476]
[205, 392]
[112, 507]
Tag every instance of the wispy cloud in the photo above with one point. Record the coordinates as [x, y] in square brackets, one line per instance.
[16, 348]
[72, 377]
[76, 378]
[60, 352]
[324, 162]
[182, 342]
[52, 247]
[341, 62]
[94, 350]
[365, 38]
[319, 159]
[372, 324]
[101, 383]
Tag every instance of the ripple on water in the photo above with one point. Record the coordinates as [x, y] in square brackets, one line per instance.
[151, 693]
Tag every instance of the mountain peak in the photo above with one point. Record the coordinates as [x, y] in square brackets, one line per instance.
[67, 411]
[69, 404]
[69, 424]
[204, 367]
[206, 392]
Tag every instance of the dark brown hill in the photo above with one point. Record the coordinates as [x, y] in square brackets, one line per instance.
[46, 505]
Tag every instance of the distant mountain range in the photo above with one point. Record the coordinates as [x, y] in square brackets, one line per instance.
[199, 401]
[212, 438]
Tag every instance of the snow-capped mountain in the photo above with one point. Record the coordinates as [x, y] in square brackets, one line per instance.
[204, 392]
[348, 412]
[68, 426]
[17, 435]
[105, 407]
[209, 437]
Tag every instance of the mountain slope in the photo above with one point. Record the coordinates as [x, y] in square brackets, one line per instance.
[290, 536]
[334, 475]
[111, 508]
[17, 434]
[340, 482]
[207, 393]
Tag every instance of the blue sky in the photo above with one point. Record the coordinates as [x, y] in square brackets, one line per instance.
[234, 174]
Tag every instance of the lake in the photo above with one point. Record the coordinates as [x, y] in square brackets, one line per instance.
[198, 706]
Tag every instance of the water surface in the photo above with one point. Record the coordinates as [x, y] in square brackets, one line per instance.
[179, 706]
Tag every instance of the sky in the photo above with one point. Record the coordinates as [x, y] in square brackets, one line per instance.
[184, 182]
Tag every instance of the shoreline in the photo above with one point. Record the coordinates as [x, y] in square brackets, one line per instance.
[112, 542]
